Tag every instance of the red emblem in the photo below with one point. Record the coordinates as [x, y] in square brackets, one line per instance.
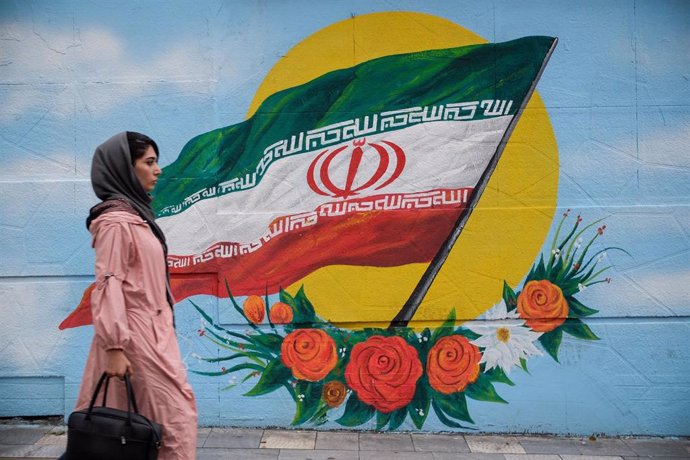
[367, 168]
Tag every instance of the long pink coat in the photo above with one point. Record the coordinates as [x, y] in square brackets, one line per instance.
[130, 311]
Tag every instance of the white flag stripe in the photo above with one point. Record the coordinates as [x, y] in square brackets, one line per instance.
[443, 154]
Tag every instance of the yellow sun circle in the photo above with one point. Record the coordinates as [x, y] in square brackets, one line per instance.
[506, 229]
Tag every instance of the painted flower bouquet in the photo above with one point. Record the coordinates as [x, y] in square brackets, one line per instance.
[395, 373]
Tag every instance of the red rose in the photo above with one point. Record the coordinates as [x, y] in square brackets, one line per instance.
[280, 313]
[452, 364]
[334, 393]
[309, 353]
[542, 305]
[254, 309]
[383, 371]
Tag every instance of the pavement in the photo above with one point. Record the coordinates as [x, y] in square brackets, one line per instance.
[47, 440]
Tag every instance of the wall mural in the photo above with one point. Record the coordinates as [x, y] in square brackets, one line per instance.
[398, 372]
[351, 196]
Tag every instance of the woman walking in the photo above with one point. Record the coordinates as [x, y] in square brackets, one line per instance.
[132, 302]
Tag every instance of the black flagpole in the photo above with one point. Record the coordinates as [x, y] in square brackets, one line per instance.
[410, 308]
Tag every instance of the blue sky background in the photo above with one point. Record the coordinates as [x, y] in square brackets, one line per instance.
[617, 90]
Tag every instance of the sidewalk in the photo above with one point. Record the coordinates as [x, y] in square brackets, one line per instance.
[47, 441]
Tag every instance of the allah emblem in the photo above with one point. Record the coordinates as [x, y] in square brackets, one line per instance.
[370, 166]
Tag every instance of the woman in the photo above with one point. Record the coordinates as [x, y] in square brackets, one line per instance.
[132, 303]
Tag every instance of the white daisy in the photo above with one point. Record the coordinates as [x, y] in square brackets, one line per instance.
[504, 337]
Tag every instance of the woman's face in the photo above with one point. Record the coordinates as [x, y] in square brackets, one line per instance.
[147, 170]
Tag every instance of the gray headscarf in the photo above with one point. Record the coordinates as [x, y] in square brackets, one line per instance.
[113, 178]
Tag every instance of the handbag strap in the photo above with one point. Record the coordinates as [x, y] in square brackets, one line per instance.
[130, 396]
[105, 393]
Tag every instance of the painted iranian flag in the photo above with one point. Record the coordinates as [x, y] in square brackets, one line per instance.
[377, 165]
[370, 166]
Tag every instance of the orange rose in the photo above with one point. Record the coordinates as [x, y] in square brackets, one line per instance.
[334, 393]
[383, 371]
[452, 364]
[542, 305]
[280, 313]
[254, 309]
[309, 353]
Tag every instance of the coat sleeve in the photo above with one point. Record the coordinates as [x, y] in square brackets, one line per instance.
[113, 245]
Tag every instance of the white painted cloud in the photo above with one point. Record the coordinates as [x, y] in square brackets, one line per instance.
[30, 334]
[669, 288]
[61, 68]
[659, 291]
[666, 144]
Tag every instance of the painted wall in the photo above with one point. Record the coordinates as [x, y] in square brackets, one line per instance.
[605, 143]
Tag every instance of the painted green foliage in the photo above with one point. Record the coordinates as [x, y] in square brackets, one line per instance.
[388, 375]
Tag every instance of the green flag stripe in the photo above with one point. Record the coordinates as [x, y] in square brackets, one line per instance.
[493, 77]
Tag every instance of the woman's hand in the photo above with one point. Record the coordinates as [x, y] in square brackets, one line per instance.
[117, 364]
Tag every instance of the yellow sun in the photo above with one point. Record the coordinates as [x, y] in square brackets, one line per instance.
[506, 229]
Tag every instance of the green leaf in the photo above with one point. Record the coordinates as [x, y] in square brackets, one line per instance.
[321, 415]
[578, 329]
[307, 407]
[421, 401]
[446, 328]
[382, 419]
[268, 311]
[235, 304]
[203, 313]
[255, 349]
[356, 412]
[551, 341]
[496, 374]
[570, 287]
[470, 335]
[455, 405]
[443, 418]
[555, 269]
[397, 418]
[523, 364]
[483, 390]
[304, 310]
[287, 298]
[270, 341]
[227, 358]
[273, 377]
[233, 385]
[509, 297]
[578, 309]
[239, 367]
[539, 271]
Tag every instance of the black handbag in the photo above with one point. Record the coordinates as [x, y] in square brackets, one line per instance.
[104, 433]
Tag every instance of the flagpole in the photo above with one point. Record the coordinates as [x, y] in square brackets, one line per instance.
[410, 307]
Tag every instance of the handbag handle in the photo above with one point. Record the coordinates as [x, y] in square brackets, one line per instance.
[131, 401]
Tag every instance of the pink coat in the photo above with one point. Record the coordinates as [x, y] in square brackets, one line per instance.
[130, 312]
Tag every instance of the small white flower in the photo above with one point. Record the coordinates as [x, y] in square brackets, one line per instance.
[420, 412]
[300, 397]
[601, 256]
[555, 252]
[578, 242]
[581, 287]
[504, 337]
